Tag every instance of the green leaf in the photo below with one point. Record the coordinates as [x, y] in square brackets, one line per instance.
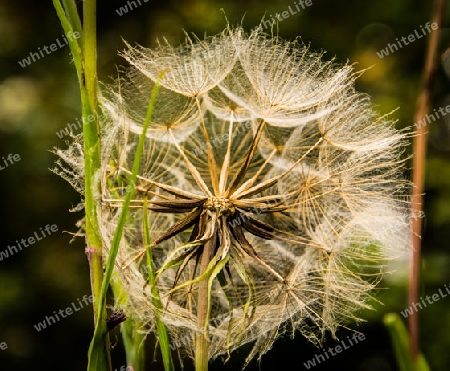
[98, 353]
[100, 330]
[68, 28]
[400, 340]
[217, 269]
[71, 10]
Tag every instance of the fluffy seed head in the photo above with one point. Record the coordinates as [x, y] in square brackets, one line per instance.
[263, 162]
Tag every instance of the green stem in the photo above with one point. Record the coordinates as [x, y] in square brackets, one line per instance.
[84, 52]
[202, 340]
[133, 341]
[91, 135]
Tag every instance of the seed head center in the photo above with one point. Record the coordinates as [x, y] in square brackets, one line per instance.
[219, 204]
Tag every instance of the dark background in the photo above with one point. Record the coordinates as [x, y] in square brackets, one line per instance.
[41, 99]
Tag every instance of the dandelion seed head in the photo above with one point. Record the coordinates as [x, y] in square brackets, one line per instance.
[264, 153]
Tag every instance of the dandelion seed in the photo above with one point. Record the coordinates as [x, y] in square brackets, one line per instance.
[278, 224]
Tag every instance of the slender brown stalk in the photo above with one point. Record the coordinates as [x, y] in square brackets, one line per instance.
[419, 147]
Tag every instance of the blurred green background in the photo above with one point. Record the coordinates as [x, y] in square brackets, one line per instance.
[39, 100]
